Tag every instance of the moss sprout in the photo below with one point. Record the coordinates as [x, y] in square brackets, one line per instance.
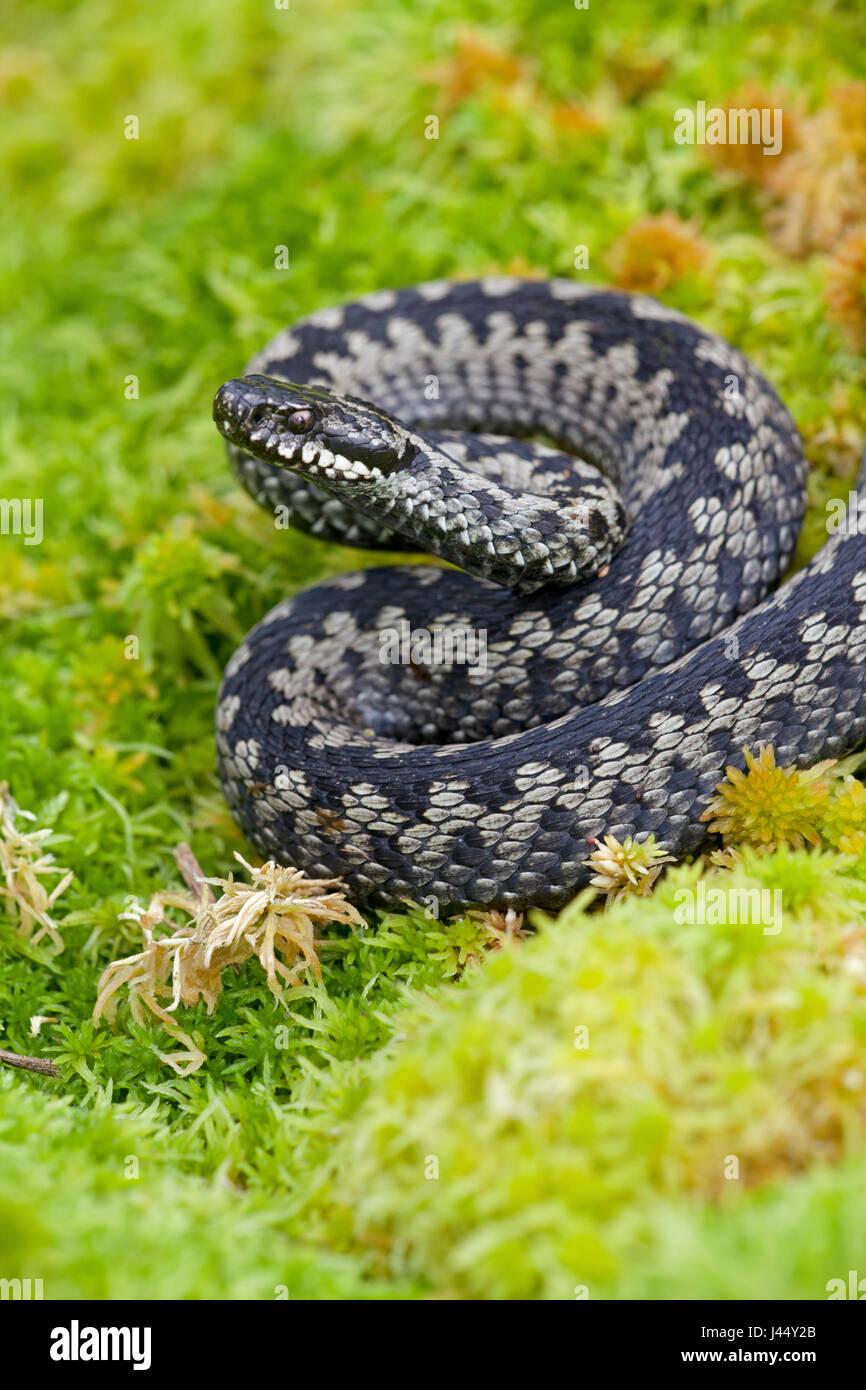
[630, 867]
[767, 806]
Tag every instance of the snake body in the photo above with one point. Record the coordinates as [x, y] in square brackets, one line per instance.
[620, 676]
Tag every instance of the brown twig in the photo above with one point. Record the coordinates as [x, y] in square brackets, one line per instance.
[14, 1059]
[192, 874]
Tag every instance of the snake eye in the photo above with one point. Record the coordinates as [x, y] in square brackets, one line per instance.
[300, 421]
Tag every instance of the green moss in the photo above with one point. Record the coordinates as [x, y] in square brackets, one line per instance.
[95, 1207]
[154, 258]
[617, 1066]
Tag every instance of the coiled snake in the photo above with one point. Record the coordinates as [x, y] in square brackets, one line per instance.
[617, 680]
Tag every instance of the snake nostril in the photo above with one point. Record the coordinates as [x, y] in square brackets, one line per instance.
[221, 403]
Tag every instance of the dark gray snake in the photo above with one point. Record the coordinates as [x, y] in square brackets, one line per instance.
[617, 682]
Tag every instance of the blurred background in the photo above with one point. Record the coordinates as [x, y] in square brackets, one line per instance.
[178, 184]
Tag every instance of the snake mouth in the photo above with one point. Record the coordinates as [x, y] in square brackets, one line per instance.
[311, 459]
[323, 465]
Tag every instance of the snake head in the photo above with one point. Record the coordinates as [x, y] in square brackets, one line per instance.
[331, 439]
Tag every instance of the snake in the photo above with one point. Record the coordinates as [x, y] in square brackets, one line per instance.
[596, 499]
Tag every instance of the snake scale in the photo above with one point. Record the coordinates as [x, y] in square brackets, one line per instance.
[621, 672]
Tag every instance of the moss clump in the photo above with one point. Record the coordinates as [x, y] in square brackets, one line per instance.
[845, 291]
[655, 253]
[95, 1203]
[768, 806]
[620, 869]
[520, 1139]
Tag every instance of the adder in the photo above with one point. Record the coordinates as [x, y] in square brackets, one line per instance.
[622, 572]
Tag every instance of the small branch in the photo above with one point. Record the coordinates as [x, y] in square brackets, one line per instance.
[13, 1059]
[191, 872]
[192, 875]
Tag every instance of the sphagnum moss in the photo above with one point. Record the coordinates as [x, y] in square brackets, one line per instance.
[767, 806]
[614, 1061]
[155, 258]
[630, 866]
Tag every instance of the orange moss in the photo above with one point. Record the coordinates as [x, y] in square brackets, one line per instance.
[845, 288]
[476, 63]
[747, 159]
[636, 74]
[656, 252]
[821, 185]
[572, 118]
